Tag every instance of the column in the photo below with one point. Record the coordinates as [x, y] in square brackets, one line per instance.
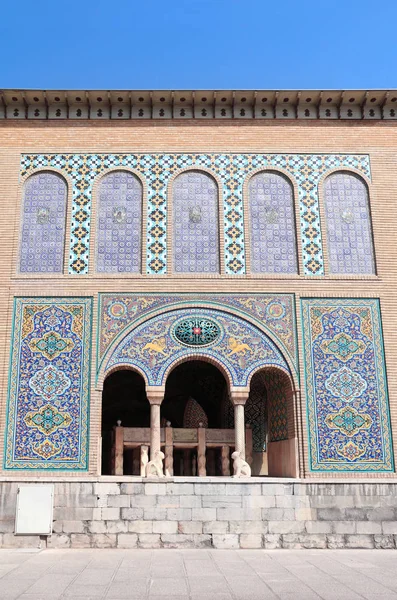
[155, 397]
[239, 398]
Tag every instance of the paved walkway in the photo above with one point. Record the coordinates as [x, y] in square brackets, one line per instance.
[199, 574]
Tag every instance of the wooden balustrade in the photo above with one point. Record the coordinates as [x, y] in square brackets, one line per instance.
[172, 439]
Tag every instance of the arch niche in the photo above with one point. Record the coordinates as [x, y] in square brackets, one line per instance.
[255, 371]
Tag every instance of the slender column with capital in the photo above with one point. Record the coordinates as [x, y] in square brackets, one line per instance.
[155, 398]
[239, 398]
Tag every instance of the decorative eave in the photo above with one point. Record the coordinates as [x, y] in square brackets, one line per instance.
[198, 104]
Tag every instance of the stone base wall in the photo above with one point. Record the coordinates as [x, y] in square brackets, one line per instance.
[201, 513]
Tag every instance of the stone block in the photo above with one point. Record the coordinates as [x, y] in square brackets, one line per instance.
[290, 541]
[80, 540]
[179, 514]
[102, 501]
[384, 513]
[118, 501]
[180, 489]
[247, 527]
[354, 514]
[305, 514]
[384, 542]
[106, 489]
[221, 501]
[312, 541]
[127, 540]
[97, 527]
[189, 527]
[140, 526]
[71, 488]
[343, 527]
[371, 527]
[360, 541]
[335, 541]
[284, 527]
[277, 489]
[239, 514]
[73, 526]
[331, 514]
[250, 540]
[132, 488]
[149, 540]
[293, 502]
[131, 514]
[215, 526]
[318, 527]
[259, 501]
[165, 527]
[244, 489]
[167, 501]
[226, 541]
[86, 501]
[177, 540]
[210, 489]
[155, 489]
[203, 514]
[116, 526]
[111, 514]
[20, 541]
[73, 513]
[56, 526]
[7, 525]
[190, 501]
[154, 514]
[388, 527]
[272, 541]
[58, 541]
[143, 501]
[278, 514]
[103, 540]
[202, 541]
[332, 501]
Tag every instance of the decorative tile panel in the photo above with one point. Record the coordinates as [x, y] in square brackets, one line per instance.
[274, 312]
[241, 348]
[349, 231]
[272, 224]
[348, 406]
[119, 224]
[195, 223]
[232, 169]
[47, 418]
[43, 224]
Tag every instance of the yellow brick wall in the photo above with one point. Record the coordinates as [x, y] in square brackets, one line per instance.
[378, 139]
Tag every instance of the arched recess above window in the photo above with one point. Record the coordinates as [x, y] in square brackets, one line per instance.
[272, 224]
[43, 223]
[195, 223]
[119, 224]
[348, 221]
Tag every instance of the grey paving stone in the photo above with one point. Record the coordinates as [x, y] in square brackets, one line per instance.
[77, 590]
[124, 589]
[170, 586]
[204, 585]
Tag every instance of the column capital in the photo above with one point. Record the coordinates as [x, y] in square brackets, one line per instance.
[239, 396]
[155, 394]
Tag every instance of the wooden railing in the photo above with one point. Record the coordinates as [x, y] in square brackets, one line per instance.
[177, 438]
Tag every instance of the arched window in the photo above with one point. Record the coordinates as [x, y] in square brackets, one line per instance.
[196, 228]
[119, 224]
[349, 231]
[43, 224]
[273, 236]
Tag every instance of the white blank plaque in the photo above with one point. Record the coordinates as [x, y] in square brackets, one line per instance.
[34, 509]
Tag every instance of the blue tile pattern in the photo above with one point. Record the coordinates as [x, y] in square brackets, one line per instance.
[195, 223]
[272, 224]
[119, 224]
[347, 398]
[151, 348]
[232, 169]
[349, 232]
[43, 224]
[48, 402]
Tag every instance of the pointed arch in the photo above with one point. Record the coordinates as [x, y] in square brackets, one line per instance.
[119, 223]
[195, 203]
[348, 225]
[272, 224]
[43, 223]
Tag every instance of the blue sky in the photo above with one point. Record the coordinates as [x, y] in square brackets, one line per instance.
[198, 44]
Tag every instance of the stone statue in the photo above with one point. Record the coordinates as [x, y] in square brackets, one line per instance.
[155, 467]
[240, 467]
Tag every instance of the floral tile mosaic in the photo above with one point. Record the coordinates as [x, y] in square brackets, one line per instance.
[347, 397]
[305, 170]
[48, 403]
